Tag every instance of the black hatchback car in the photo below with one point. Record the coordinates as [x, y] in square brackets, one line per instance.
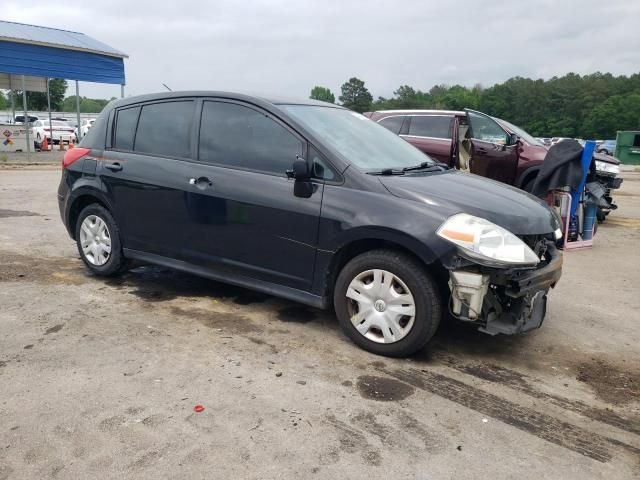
[311, 202]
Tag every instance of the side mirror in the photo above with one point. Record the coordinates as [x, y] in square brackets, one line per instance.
[513, 139]
[300, 172]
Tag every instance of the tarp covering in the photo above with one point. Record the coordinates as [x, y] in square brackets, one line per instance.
[562, 167]
[41, 61]
[54, 37]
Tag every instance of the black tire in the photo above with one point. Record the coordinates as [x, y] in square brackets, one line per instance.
[116, 262]
[428, 305]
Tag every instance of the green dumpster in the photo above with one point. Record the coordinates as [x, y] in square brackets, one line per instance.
[628, 147]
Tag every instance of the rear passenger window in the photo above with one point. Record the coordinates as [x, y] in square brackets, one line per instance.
[392, 124]
[430, 126]
[126, 128]
[165, 129]
[238, 136]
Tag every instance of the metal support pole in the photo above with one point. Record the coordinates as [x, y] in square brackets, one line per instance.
[78, 111]
[26, 117]
[50, 141]
[12, 94]
[122, 91]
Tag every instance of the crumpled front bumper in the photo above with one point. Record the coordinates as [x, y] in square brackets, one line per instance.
[514, 300]
[541, 278]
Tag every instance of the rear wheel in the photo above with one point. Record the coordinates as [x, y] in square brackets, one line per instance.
[387, 303]
[98, 240]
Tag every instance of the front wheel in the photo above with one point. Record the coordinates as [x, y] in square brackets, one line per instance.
[387, 303]
[98, 240]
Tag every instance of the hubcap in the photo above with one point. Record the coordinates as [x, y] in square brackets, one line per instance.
[95, 240]
[381, 306]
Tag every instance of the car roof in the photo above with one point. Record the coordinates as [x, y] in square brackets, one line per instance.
[273, 100]
[433, 112]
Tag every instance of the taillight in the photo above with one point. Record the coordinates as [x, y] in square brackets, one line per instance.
[73, 155]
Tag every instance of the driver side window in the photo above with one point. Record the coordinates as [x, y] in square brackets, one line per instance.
[486, 129]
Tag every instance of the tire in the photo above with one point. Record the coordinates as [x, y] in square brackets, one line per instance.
[406, 274]
[104, 265]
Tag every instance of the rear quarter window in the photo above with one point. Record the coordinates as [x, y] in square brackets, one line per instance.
[126, 121]
[393, 124]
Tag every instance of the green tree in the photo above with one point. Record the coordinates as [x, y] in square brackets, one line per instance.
[323, 94]
[355, 95]
[620, 112]
[589, 106]
[87, 105]
[38, 100]
[4, 103]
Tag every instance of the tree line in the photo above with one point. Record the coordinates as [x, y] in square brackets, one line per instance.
[588, 106]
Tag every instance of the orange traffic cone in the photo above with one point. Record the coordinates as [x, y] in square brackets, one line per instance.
[71, 144]
[61, 146]
[44, 145]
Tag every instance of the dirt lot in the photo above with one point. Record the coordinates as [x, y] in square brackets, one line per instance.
[99, 378]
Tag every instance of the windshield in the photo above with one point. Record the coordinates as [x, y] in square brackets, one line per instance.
[521, 133]
[55, 123]
[359, 140]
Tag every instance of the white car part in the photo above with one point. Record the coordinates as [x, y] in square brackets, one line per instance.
[607, 167]
[486, 242]
[469, 289]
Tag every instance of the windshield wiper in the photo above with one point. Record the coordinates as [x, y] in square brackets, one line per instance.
[387, 171]
[427, 167]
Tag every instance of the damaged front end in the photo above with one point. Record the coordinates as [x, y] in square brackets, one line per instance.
[503, 299]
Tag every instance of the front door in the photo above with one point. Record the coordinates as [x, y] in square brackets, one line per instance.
[491, 154]
[243, 216]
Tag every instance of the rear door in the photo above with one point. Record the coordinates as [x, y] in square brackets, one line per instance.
[432, 135]
[491, 154]
[146, 169]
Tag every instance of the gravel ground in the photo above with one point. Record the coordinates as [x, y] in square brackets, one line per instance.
[99, 378]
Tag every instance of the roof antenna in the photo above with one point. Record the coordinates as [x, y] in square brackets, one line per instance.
[165, 86]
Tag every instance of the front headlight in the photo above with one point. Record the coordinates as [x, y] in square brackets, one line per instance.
[607, 167]
[486, 242]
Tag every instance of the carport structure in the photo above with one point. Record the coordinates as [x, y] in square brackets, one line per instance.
[30, 55]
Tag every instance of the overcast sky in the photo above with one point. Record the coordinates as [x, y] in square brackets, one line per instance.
[286, 47]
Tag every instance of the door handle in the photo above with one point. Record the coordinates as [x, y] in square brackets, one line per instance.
[201, 182]
[114, 167]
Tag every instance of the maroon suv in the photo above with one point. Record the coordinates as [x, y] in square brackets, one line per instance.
[472, 141]
[484, 145]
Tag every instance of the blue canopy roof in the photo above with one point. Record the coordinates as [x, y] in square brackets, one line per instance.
[53, 53]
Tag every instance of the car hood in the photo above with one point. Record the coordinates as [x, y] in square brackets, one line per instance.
[457, 192]
[606, 158]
